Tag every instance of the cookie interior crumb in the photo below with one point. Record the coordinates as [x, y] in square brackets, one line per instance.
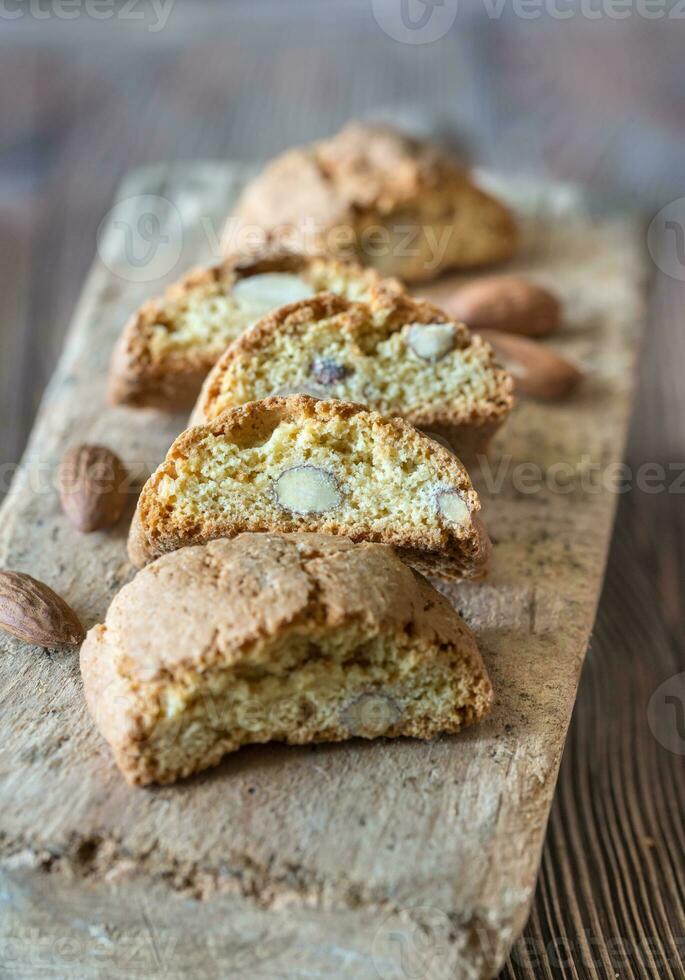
[209, 314]
[349, 351]
[170, 344]
[304, 688]
[388, 481]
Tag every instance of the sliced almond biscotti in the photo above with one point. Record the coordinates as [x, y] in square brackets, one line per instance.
[170, 344]
[398, 355]
[295, 638]
[298, 464]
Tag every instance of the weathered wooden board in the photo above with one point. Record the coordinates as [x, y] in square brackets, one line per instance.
[359, 860]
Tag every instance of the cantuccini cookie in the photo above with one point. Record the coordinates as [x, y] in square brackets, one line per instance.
[299, 464]
[402, 357]
[294, 638]
[170, 343]
[401, 204]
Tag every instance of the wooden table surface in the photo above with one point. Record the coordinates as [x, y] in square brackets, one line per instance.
[598, 100]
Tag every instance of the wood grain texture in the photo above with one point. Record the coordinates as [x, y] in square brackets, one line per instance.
[367, 839]
[598, 101]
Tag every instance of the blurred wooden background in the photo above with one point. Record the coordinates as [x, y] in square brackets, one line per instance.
[596, 99]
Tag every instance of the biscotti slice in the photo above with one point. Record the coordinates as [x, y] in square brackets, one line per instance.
[169, 345]
[294, 638]
[400, 204]
[298, 464]
[407, 358]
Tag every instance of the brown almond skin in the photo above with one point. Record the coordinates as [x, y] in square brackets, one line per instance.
[32, 612]
[508, 303]
[92, 487]
[537, 371]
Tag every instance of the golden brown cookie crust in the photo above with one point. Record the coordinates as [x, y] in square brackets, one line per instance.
[448, 551]
[370, 176]
[224, 605]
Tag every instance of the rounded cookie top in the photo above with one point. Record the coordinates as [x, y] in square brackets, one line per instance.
[364, 166]
[340, 194]
[208, 604]
[374, 165]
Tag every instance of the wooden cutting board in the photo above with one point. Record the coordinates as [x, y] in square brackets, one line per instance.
[382, 860]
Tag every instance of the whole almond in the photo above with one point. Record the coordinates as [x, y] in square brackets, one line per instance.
[31, 611]
[507, 303]
[537, 370]
[92, 487]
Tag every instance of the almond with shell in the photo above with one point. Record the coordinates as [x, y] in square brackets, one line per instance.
[537, 371]
[92, 486]
[32, 612]
[508, 303]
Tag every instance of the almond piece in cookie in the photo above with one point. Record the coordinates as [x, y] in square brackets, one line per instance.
[400, 357]
[307, 490]
[170, 344]
[399, 203]
[298, 464]
[294, 638]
